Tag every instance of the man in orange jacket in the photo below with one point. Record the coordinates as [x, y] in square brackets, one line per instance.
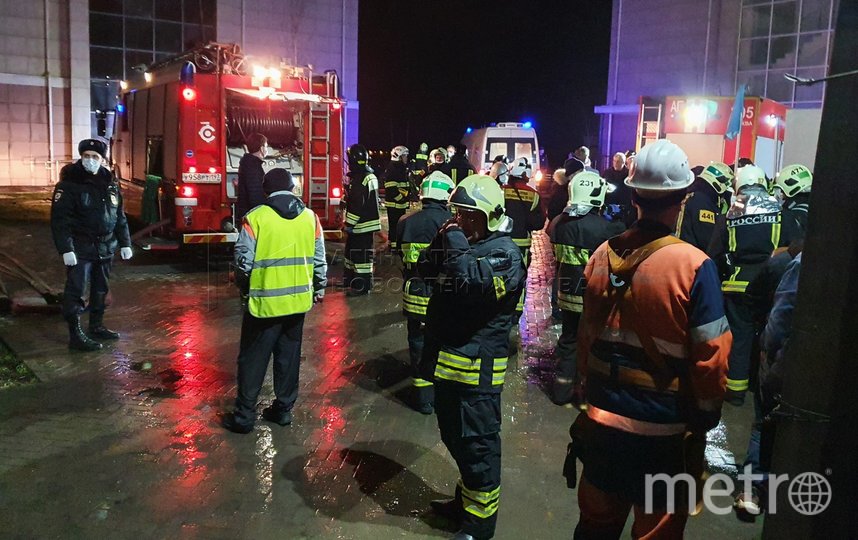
[653, 348]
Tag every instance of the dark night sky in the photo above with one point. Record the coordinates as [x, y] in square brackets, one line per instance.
[428, 70]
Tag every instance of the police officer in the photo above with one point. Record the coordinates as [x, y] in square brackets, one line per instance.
[415, 233]
[792, 190]
[653, 367]
[88, 224]
[523, 207]
[458, 167]
[480, 274]
[575, 234]
[362, 221]
[281, 268]
[704, 204]
[753, 233]
[396, 189]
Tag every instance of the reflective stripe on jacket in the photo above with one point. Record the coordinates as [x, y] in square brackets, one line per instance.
[281, 281]
[674, 304]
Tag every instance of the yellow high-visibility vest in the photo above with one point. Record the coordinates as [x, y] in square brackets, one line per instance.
[281, 281]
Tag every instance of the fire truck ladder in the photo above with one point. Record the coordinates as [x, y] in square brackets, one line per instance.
[649, 124]
[319, 177]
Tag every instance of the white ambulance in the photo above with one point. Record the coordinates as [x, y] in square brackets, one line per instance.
[510, 139]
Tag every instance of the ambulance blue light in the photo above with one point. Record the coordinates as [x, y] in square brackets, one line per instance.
[470, 129]
[527, 125]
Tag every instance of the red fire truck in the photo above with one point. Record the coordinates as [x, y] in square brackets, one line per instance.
[181, 129]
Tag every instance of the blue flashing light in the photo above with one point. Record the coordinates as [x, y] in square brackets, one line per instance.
[470, 129]
[527, 125]
[120, 108]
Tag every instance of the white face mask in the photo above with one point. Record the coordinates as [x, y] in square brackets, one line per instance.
[91, 164]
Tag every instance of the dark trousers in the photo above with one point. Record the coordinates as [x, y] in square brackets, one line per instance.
[393, 217]
[260, 338]
[470, 429]
[92, 273]
[423, 389]
[358, 262]
[740, 316]
[567, 346]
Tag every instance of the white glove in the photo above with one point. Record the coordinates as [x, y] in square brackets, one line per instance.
[70, 259]
[125, 253]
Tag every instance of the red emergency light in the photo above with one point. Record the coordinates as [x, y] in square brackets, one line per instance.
[336, 192]
[189, 93]
[187, 191]
[336, 105]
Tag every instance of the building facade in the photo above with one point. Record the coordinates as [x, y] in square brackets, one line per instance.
[664, 48]
[61, 62]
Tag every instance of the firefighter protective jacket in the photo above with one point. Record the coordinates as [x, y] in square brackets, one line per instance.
[458, 168]
[697, 216]
[470, 313]
[362, 204]
[574, 239]
[654, 340]
[87, 215]
[415, 232]
[396, 185]
[794, 214]
[522, 205]
[753, 234]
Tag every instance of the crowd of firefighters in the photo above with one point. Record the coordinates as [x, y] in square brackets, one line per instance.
[667, 279]
[649, 360]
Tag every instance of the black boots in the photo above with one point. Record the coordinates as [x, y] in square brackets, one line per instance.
[79, 341]
[96, 318]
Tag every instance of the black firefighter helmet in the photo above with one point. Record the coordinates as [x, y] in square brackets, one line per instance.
[358, 157]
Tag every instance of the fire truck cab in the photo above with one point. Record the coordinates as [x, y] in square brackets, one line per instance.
[181, 130]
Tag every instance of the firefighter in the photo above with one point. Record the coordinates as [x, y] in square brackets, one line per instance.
[362, 221]
[88, 224]
[250, 176]
[480, 274]
[753, 233]
[281, 270]
[437, 160]
[396, 189]
[458, 167]
[415, 232]
[703, 205]
[652, 356]
[523, 207]
[419, 168]
[792, 190]
[500, 172]
[575, 234]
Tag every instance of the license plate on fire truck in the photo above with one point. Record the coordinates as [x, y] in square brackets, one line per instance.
[201, 178]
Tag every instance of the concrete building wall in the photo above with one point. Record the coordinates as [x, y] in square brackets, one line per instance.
[26, 155]
[321, 33]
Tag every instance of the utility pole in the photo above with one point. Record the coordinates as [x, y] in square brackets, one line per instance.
[821, 376]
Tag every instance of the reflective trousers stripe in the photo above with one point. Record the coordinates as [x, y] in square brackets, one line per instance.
[483, 504]
[737, 385]
[420, 383]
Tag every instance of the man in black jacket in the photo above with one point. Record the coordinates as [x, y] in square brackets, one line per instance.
[706, 203]
[88, 224]
[250, 176]
[459, 168]
[415, 232]
[477, 273]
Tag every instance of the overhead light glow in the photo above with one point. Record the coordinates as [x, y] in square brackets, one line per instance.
[695, 115]
[470, 129]
[259, 72]
[527, 125]
[123, 85]
[772, 120]
[147, 77]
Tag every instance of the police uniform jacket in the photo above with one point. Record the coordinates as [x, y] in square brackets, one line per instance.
[396, 185]
[362, 204]
[415, 232]
[470, 314]
[87, 215]
[696, 221]
[574, 239]
[522, 205]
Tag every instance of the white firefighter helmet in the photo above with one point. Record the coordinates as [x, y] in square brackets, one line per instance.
[397, 153]
[660, 166]
[521, 169]
[719, 176]
[794, 179]
[587, 190]
[437, 186]
[750, 175]
[500, 172]
[438, 155]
